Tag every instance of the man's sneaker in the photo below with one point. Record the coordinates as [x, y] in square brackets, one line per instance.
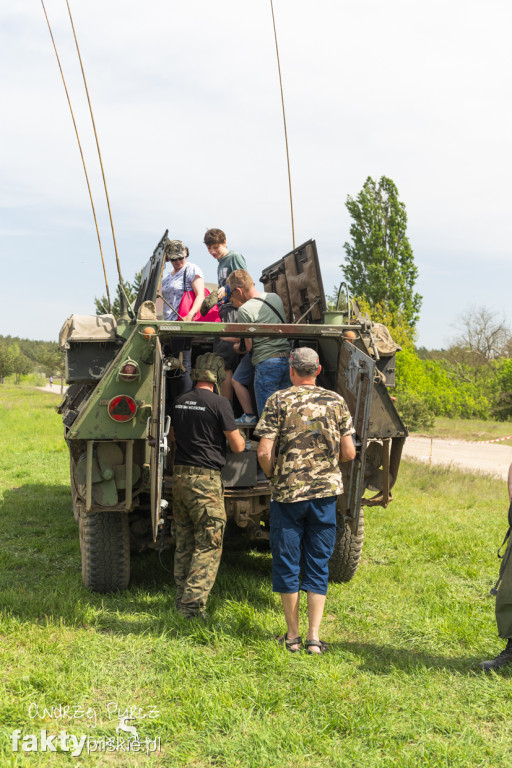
[247, 420]
[505, 657]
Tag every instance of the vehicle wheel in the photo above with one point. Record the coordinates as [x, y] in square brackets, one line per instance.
[105, 548]
[344, 561]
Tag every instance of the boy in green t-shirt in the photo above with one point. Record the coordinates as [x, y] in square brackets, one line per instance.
[227, 262]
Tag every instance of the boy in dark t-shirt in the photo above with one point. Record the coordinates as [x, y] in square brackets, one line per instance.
[202, 422]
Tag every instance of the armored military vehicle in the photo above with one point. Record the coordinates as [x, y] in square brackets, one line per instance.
[117, 428]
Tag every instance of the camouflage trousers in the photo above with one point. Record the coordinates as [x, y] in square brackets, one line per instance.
[200, 519]
[504, 596]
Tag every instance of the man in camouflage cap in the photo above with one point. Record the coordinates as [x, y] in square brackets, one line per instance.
[305, 431]
[209, 367]
[202, 422]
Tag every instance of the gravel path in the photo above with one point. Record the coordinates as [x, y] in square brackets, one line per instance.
[56, 389]
[491, 458]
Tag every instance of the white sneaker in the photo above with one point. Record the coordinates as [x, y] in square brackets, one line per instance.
[248, 419]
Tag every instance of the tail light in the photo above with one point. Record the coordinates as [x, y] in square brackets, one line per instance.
[129, 371]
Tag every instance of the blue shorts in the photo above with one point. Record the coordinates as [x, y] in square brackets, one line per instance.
[302, 534]
[244, 373]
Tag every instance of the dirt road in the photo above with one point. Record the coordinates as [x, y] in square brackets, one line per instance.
[57, 389]
[491, 458]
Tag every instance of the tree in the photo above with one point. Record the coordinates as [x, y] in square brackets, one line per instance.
[395, 322]
[502, 409]
[22, 366]
[6, 361]
[52, 361]
[482, 335]
[131, 290]
[379, 264]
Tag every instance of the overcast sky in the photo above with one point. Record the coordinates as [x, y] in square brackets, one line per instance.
[186, 100]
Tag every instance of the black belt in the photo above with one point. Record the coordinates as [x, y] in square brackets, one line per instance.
[181, 469]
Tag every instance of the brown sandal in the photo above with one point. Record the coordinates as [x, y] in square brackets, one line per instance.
[287, 642]
[316, 644]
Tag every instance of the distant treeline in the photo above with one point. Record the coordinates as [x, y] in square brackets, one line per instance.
[24, 356]
[462, 381]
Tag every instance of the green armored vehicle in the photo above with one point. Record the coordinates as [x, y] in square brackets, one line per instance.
[117, 428]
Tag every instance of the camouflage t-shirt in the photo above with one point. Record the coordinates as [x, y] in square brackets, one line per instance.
[306, 422]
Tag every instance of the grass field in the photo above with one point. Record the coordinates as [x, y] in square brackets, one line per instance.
[470, 429]
[399, 687]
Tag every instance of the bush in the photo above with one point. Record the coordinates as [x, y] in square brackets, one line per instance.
[502, 409]
[415, 412]
[430, 383]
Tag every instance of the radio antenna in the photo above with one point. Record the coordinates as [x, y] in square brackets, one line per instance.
[98, 147]
[284, 121]
[81, 155]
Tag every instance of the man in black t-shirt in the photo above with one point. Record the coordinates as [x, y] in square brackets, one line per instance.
[202, 422]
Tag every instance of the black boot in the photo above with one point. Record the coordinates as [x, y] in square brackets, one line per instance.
[505, 657]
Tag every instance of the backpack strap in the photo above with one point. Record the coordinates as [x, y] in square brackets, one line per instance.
[274, 310]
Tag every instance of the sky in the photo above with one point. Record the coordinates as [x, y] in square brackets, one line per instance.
[187, 106]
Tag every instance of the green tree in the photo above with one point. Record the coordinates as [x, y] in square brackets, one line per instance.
[131, 290]
[430, 384]
[379, 264]
[52, 361]
[22, 366]
[6, 361]
[502, 409]
[395, 322]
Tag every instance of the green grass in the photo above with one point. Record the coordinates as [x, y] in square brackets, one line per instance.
[33, 379]
[470, 429]
[399, 687]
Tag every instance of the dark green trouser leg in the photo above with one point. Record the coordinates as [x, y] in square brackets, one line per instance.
[504, 596]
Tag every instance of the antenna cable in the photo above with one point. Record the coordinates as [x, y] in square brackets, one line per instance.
[82, 156]
[284, 121]
[98, 146]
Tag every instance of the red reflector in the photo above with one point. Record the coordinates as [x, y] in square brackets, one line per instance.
[122, 408]
[129, 372]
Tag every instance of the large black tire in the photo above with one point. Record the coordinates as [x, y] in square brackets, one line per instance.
[344, 561]
[105, 547]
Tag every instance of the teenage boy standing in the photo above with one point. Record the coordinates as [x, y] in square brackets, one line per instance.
[227, 261]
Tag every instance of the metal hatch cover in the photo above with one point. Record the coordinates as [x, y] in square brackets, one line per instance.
[151, 274]
[297, 279]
